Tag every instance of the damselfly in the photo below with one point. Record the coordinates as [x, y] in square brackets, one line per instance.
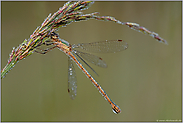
[108, 46]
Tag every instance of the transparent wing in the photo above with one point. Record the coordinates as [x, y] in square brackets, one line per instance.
[93, 59]
[75, 52]
[108, 46]
[72, 81]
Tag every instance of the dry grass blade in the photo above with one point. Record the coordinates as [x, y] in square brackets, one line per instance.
[70, 12]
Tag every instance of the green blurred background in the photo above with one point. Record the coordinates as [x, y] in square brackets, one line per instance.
[144, 80]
